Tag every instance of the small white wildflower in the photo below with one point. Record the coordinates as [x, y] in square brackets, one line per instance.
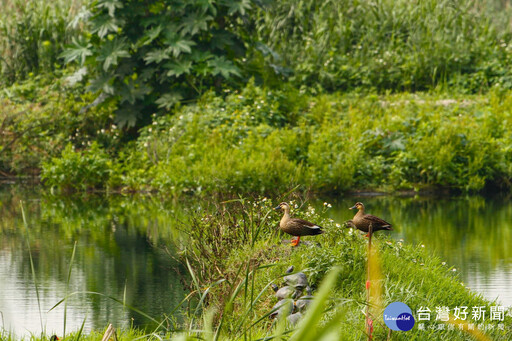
[146, 144]
[329, 205]
[258, 107]
[454, 270]
[443, 263]
[422, 245]
[103, 131]
[296, 206]
[150, 130]
[325, 204]
[401, 240]
[264, 199]
[114, 126]
[338, 225]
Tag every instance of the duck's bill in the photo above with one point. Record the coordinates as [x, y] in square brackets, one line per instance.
[277, 208]
[351, 208]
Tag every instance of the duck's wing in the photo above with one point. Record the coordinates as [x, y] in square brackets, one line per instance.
[376, 221]
[306, 223]
[301, 227]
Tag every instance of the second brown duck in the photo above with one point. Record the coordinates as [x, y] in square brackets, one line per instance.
[295, 226]
[363, 221]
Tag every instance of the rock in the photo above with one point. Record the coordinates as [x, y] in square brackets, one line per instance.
[282, 307]
[305, 301]
[288, 292]
[298, 280]
[293, 319]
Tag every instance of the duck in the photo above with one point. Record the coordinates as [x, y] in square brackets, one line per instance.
[295, 226]
[363, 221]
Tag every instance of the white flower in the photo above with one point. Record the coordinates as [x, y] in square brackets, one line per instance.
[338, 225]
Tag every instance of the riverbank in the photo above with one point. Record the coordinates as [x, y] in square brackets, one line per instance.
[235, 252]
[267, 141]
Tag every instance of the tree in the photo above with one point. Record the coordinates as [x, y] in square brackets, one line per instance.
[150, 55]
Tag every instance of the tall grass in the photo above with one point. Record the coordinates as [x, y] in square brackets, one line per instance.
[390, 45]
[34, 277]
[32, 35]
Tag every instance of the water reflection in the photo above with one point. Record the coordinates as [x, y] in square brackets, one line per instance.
[473, 234]
[120, 252]
[123, 251]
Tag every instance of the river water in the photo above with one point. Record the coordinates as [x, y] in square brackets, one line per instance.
[121, 252]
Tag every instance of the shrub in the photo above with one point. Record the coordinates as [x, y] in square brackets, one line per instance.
[74, 170]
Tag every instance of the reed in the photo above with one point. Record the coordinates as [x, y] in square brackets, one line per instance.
[32, 36]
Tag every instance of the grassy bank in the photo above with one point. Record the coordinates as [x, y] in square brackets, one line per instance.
[235, 252]
[409, 274]
[266, 141]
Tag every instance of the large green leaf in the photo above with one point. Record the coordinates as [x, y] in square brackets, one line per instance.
[79, 51]
[239, 6]
[102, 83]
[112, 51]
[103, 24]
[220, 65]
[150, 35]
[110, 5]
[178, 68]
[193, 23]
[180, 45]
[156, 56]
[168, 100]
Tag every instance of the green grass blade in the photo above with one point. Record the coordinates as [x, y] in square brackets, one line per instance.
[32, 265]
[67, 287]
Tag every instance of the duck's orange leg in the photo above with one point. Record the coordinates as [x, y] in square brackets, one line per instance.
[296, 241]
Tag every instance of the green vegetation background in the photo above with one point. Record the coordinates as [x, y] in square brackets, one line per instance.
[243, 96]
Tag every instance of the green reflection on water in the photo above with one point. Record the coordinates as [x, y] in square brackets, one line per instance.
[123, 250]
[472, 233]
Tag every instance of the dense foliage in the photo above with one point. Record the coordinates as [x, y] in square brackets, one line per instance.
[391, 45]
[41, 116]
[156, 54]
[269, 141]
[32, 36]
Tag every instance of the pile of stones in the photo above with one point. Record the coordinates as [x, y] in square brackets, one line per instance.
[291, 301]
